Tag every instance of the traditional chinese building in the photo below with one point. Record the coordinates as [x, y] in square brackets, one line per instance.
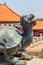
[38, 28]
[8, 17]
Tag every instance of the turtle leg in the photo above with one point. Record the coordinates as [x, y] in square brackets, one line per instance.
[15, 60]
[23, 56]
[27, 57]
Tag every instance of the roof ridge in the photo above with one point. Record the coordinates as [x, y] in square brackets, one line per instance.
[1, 4]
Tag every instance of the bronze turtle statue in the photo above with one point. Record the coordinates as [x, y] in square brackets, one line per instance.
[12, 40]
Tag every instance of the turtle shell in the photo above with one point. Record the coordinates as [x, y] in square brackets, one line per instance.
[9, 37]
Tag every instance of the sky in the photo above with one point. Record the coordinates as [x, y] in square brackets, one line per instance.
[26, 7]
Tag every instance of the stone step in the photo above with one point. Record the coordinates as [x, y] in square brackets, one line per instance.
[36, 50]
[35, 61]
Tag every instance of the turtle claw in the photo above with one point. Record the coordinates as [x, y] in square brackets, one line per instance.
[27, 57]
[16, 61]
[20, 62]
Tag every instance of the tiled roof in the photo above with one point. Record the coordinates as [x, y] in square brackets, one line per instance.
[6, 14]
[39, 24]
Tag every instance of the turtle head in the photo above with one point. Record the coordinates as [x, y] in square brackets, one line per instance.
[27, 21]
